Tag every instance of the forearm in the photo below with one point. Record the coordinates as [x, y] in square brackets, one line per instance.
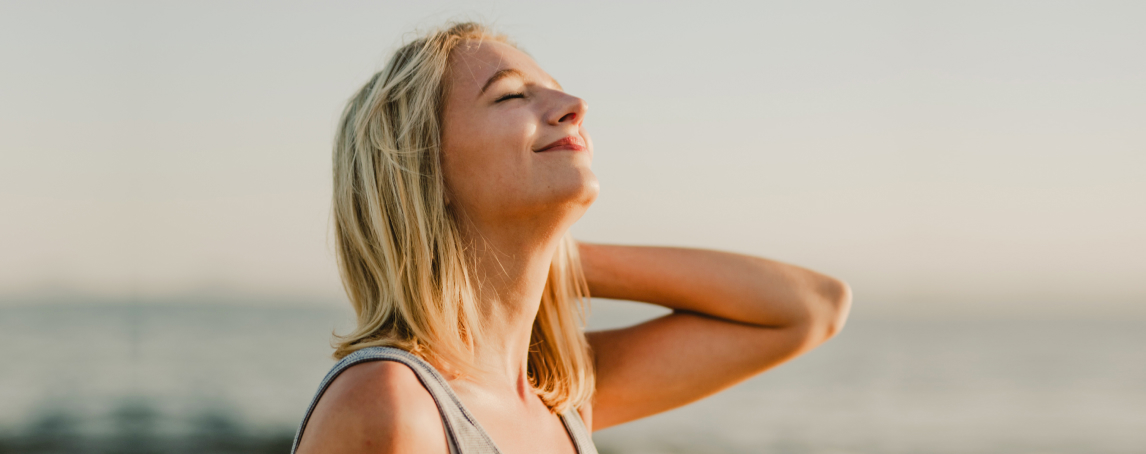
[729, 286]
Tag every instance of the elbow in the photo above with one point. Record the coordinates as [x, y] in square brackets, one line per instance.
[833, 300]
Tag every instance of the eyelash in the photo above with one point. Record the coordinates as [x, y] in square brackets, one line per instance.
[510, 96]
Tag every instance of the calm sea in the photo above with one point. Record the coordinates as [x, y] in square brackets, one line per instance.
[231, 378]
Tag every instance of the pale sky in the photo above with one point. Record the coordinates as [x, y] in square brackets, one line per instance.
[941, 157]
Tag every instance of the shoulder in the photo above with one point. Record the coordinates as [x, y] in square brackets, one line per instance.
[375, 407]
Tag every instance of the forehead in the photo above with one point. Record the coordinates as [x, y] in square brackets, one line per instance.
[472, 63]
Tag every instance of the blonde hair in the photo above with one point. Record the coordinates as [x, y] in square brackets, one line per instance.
[402, 259]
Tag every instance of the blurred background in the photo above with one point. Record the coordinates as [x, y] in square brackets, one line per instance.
[975, 170]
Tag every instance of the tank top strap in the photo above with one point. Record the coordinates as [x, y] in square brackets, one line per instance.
[582, 439]
[463, 434]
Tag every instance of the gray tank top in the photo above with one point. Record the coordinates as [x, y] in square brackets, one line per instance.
[463, 433]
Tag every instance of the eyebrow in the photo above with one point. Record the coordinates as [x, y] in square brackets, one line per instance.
[502, 74]
[510, 72]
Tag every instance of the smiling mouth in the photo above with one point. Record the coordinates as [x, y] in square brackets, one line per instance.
[568, 143]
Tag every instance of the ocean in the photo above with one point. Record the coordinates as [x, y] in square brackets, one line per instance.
[227, 378]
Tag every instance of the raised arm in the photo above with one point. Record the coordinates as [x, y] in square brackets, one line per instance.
[734, 316]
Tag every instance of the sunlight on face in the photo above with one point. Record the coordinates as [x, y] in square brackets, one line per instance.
[513, 145]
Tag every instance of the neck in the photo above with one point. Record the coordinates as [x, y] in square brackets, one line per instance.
[512, 266]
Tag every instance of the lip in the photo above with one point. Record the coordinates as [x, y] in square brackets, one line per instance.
[570, 143]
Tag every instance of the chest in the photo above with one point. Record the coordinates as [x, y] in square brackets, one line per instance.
[520, 429]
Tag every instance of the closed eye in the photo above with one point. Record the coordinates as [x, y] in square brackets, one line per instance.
[510, 96]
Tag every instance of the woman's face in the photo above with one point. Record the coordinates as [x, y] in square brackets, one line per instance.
[513, 145]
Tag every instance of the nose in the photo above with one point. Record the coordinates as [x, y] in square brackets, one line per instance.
[570, 110]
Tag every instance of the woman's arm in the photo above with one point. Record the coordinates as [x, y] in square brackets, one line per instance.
[734, 316]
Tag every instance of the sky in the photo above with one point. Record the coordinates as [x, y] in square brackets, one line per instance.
[941, 157]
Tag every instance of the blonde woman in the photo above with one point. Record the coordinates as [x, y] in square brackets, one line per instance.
[458, 170]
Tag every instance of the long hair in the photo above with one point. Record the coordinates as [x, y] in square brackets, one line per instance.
[401, 256]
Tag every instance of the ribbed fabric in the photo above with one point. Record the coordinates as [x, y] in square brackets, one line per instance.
[463, 433]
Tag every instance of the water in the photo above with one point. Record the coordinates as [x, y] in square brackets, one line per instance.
[227, 378]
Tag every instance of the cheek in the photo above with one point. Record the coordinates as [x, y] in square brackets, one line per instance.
[487, 162]
[512, 132]
[490, 136]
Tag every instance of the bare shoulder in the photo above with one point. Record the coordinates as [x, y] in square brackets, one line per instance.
[376, 407]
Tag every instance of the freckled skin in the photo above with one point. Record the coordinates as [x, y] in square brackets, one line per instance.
[491, 171]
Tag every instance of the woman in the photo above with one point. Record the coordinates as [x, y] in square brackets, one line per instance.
[458, 170]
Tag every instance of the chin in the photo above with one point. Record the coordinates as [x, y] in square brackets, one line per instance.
[564, 203]
[592, 189]
[581, 189]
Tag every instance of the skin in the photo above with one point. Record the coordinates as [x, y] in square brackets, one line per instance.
[733, 317]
